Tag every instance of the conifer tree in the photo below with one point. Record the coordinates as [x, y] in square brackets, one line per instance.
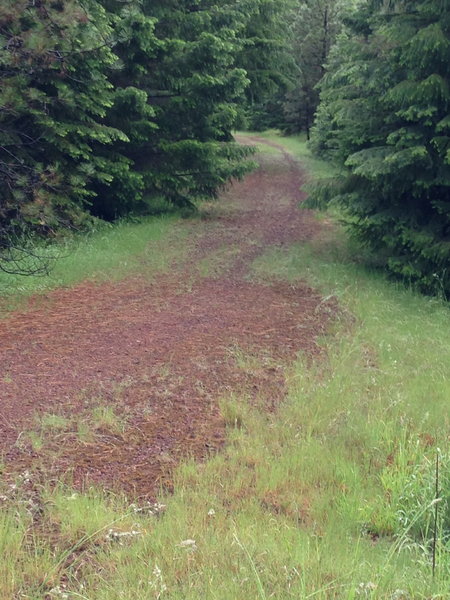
[53, 97]
[384, 116]
[176, 98]
[266, 56]
[105, 104]
[195, 88]
[314, 29]
[131, 112]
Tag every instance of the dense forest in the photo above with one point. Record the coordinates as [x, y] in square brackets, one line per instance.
[111, 108]
[108, 106]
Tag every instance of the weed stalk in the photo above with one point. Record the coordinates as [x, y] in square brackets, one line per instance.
[435, 513]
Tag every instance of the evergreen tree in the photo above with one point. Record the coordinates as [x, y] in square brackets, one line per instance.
[107, 104]
[266, 57]
[53, 97]
[131, 112]
[314, 31]
[176, 98]
[384, 116]
[196, 90]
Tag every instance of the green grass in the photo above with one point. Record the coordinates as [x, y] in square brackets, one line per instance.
[107, 254]
[297, 145]
[218, 261]
[53, 431]
[329, 498]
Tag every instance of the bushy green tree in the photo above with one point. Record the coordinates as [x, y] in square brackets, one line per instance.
[194, 87]
[384, 117]
[54, 95]
[136, 47]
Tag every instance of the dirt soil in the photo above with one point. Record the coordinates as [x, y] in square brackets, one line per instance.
[162, 354]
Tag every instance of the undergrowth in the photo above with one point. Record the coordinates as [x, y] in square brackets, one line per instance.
[331, 497]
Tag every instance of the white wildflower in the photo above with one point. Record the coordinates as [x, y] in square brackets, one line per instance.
[119, 536]
[58, 592]
[400, 595]
[188, 544]
[157, 572]
[366, 589]
[154, 509]
[25, 476]
[157, 583]
[158, 508]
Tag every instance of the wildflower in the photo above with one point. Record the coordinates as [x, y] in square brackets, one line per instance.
[158, 509]
[58, 592]
[366, 589]
[154, 509]
[400, 595]
[157, 572]
[157, 583]
[118, 536]
[188, 544]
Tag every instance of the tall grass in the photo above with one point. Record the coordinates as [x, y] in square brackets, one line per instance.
[331, 497]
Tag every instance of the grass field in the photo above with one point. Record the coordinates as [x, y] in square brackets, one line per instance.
[331, 497]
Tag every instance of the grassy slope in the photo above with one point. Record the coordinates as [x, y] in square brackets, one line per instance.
[329, 498]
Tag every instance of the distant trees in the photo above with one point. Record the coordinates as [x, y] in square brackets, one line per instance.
[314, 30]
[303, 31]
[384, 117]
[266, 56]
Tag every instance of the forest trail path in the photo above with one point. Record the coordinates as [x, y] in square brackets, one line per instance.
[135, 370]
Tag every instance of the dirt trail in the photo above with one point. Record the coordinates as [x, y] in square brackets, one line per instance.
[162, 354]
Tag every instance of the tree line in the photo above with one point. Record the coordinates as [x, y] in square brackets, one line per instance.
[109, 106]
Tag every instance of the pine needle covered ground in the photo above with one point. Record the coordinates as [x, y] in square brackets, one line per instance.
[331, 494]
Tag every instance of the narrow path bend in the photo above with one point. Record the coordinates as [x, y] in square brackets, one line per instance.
[163, 353]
